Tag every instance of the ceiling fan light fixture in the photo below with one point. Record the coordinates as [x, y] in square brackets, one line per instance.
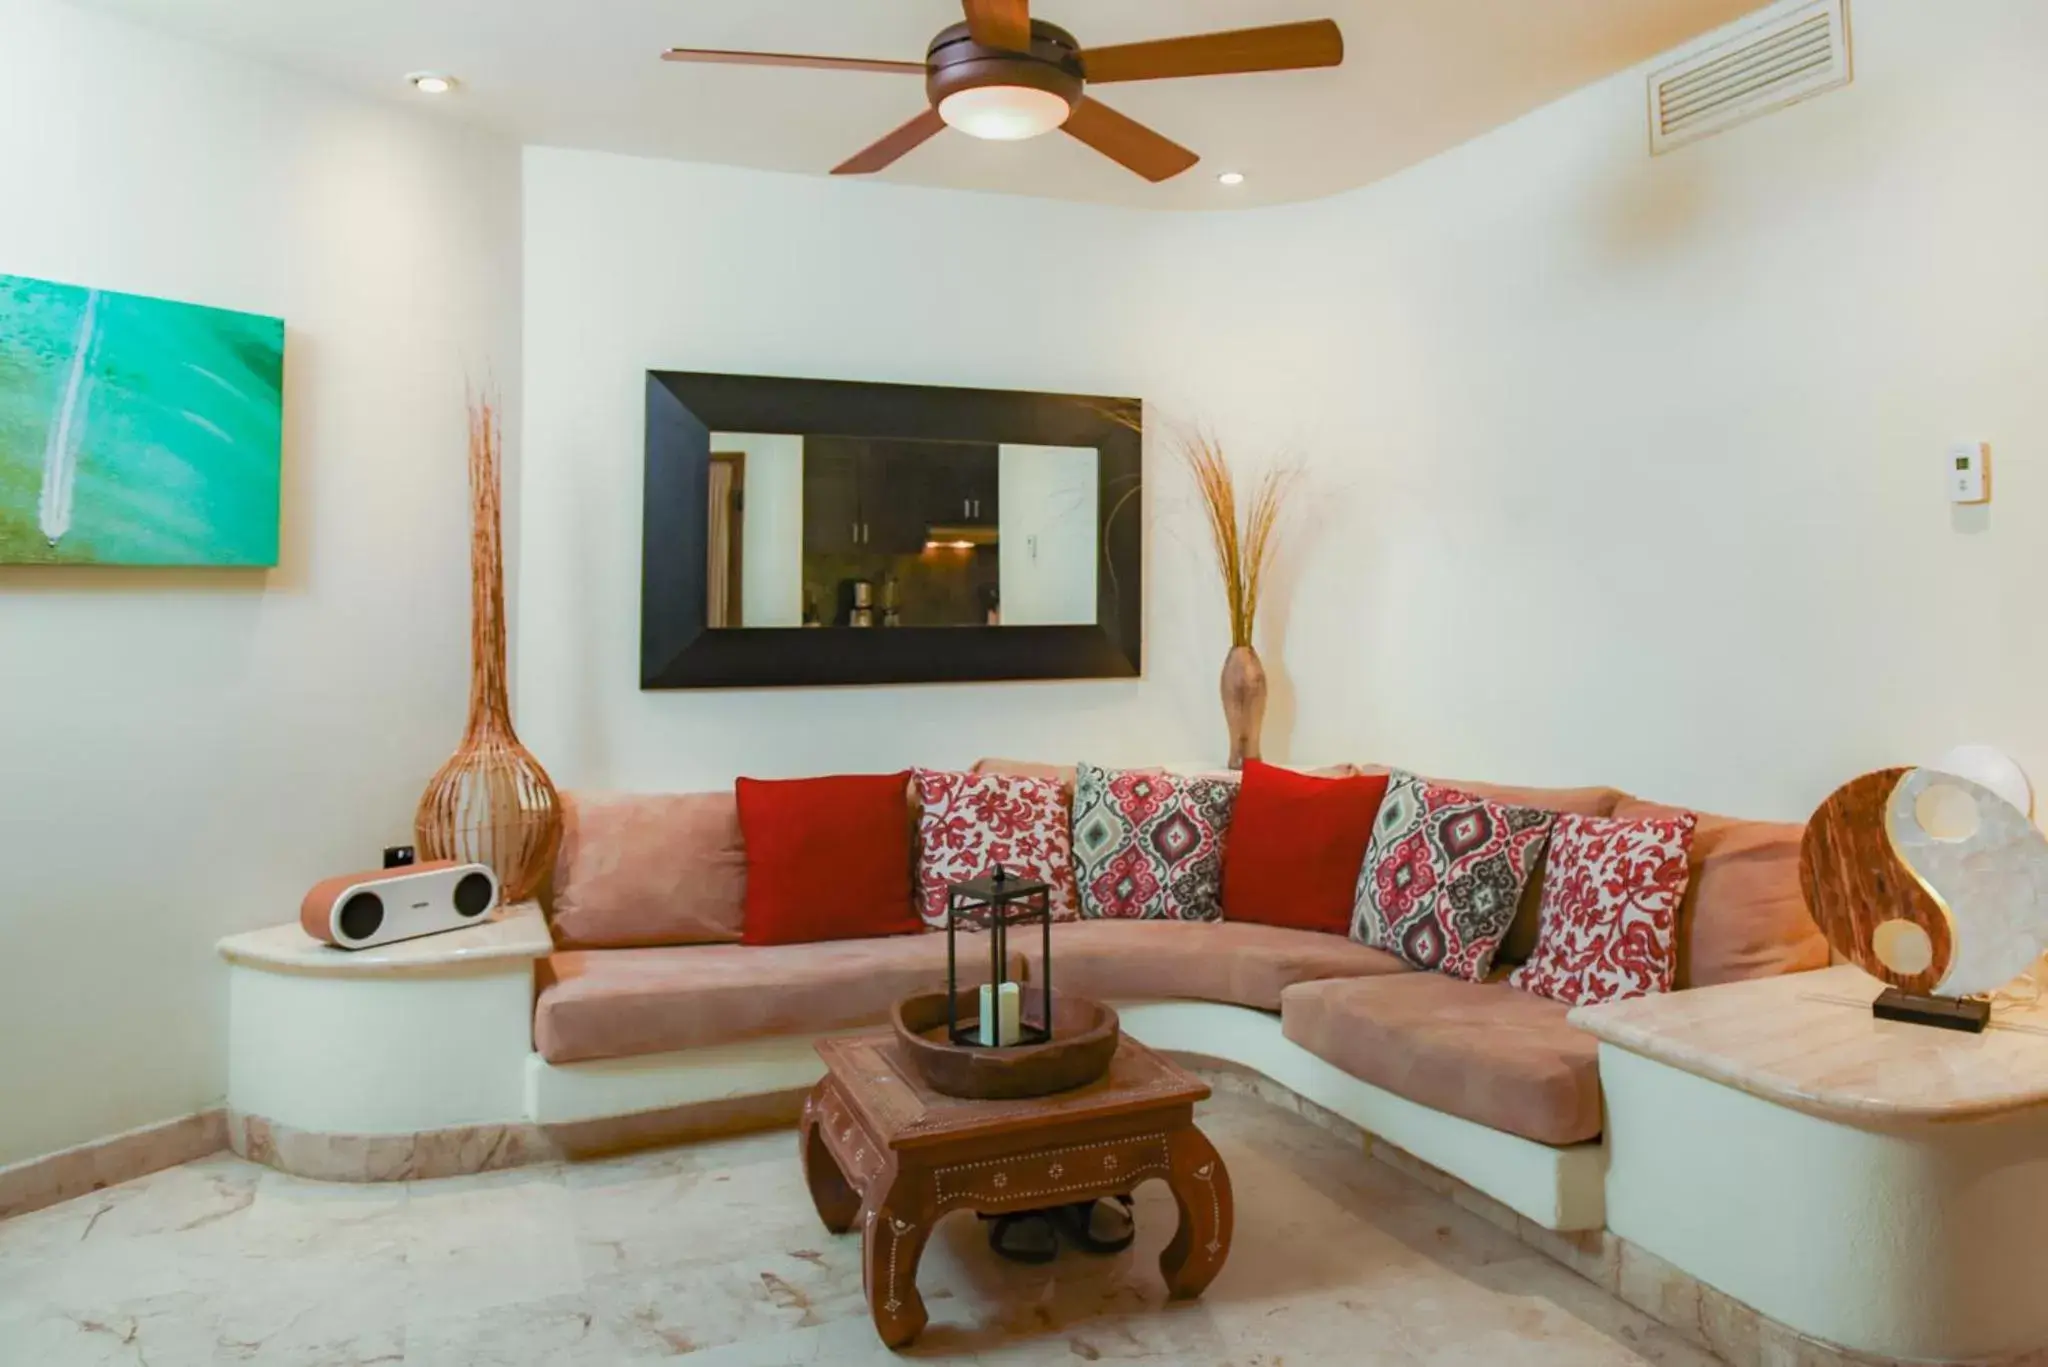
[432, 82]
[1004, 113]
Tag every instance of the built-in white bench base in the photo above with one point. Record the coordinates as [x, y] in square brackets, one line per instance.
[1560, 1189]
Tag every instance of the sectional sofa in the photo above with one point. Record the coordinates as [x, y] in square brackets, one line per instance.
[650, 1009]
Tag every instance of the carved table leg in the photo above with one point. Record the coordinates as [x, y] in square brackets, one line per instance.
[837, 1202]
[1201, 1188]
[892, 1241]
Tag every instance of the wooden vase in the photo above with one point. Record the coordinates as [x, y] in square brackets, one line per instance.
[491, 803]
[1244, 702]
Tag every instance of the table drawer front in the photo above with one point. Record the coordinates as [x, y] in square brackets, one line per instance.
[856, 1151]
[1047, 1177]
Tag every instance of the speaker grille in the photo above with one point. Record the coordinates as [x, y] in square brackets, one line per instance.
[473, 895]
[360, 916]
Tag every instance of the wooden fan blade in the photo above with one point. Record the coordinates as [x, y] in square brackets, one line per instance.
[1000, 23]
[1282, 47]
[1124, 140]
[885, 152]
[715, 55]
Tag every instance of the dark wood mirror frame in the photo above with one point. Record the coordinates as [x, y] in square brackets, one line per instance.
[679, 650]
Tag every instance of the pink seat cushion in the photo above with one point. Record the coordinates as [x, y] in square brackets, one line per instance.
[1238, 962]
[1743, 915]
[648, 869]
[1481, 1051]
[619, 1003]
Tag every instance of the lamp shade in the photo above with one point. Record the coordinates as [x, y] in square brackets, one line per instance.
[1990, 767]
[1004, 113]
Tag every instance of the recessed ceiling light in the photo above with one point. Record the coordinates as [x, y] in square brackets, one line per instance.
[431, 82]
[1231, 178]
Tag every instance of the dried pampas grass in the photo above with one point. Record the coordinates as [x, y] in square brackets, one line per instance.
[1244, 536]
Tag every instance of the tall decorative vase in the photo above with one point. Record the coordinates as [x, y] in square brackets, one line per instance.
[491, 803]
[1244, 702]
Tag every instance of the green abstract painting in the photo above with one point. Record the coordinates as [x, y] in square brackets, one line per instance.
[136, 431]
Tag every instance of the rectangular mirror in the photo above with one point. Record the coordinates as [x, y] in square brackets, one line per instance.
[808, 531]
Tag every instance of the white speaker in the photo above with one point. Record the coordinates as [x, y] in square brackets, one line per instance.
[357, 910]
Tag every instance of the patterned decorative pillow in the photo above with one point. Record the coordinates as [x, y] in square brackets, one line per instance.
[1149, 845]
[1442, 875]
[1608, 928]
[972, 822]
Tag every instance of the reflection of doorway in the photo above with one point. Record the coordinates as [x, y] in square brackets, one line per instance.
[726, 533]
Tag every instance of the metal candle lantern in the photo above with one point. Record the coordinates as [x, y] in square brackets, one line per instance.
[994, 904]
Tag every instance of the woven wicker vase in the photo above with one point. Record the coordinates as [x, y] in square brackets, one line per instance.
[1244, 702]
[491, 803]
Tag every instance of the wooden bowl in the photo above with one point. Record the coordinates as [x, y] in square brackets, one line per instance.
[1085, 1035]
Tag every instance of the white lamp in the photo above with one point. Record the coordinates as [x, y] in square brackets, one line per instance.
[1004, 113]
[1989, 767]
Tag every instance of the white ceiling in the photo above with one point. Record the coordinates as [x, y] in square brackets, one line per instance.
[1419, 76]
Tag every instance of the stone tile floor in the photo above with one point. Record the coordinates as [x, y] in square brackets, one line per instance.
[711, 1255]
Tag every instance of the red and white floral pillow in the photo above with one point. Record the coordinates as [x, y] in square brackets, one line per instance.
[973, 822]
[1608, 926]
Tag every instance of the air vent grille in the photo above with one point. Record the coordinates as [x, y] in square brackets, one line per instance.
[1800, 51]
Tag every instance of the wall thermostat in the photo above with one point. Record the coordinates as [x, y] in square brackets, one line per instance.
[1968, 467]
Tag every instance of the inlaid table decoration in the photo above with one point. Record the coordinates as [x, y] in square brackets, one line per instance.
[884, 1151]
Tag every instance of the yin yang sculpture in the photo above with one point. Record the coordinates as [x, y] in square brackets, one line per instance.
[1933, 884]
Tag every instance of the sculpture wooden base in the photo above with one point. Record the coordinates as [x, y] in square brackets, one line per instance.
[1945, 1013]
[885, 1153]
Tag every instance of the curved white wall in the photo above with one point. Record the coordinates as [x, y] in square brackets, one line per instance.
[1622, 470]
[1629, 469]
[183, 754]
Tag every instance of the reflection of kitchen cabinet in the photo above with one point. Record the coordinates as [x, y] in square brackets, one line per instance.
[978, 473]
[832, 489]
[883, 497]
[958, 487]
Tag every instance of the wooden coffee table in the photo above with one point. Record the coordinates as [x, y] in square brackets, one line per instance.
[882, 1150]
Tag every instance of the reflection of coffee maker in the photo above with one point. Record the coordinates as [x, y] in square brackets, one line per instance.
[856, 602]
[891, 614]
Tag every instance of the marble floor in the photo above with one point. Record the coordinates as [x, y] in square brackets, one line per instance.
[712, 1256]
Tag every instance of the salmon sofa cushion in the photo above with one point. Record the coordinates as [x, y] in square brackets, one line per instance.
[1743, 915]
[1484, 1052]
[639, 869]
[621, 1003]
[1237, 962]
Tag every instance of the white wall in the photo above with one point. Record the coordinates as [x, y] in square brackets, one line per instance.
[1047, 524]
[184, 754]
[1619, 469]
[634, 265]
[771, 527]
[1629, 469]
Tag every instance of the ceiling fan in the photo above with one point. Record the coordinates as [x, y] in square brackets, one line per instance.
[1005, 76]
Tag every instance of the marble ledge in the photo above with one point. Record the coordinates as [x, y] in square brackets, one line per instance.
[1808, 1041]
[467, 1150]
[514, 934]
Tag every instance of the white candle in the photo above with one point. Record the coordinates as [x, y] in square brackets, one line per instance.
[1009, 1013]
[987, 1033]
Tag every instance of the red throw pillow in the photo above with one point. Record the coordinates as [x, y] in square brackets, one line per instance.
[971, 823]
[1295, 847]
[827, 858]
[1608, 929]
